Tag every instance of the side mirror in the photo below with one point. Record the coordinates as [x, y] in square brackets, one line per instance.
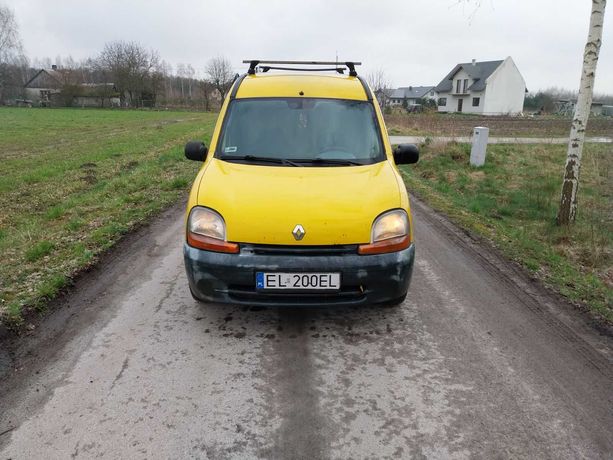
[195, 150]
[405, 154]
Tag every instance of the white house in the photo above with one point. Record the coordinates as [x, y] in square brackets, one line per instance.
[486, 88]
[410, 95]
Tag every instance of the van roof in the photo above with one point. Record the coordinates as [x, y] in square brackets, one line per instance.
[291, 85]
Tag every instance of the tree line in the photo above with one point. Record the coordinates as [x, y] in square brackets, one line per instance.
[133, 74]
[545, 100]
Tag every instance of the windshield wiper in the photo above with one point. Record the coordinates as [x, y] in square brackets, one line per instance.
[331, 161]
[281, 161]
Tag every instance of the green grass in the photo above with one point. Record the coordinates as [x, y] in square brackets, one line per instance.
[513, 200]
[74, 181]
[38, 250]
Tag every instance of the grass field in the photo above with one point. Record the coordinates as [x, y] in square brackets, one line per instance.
[74, 181]
[452, 125]
[513, 200]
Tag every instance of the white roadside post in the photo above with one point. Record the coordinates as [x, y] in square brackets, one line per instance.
[477, 152]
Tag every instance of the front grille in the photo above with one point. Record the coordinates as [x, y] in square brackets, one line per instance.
[289, 250]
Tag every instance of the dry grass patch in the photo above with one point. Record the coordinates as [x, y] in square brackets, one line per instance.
[462, 124]
[513, 201]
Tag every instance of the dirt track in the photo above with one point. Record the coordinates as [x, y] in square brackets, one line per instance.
[479, 362]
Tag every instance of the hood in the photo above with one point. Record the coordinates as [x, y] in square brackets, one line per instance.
[263, 204]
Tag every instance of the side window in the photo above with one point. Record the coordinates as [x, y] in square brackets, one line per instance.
[442, 101]
[465, 86]
[476, 101]
[457, 85]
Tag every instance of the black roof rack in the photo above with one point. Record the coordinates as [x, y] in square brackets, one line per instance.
[338, 66]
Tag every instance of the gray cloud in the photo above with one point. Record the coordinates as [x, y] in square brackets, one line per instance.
[415, 41]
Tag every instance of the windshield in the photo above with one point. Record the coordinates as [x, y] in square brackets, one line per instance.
[301, 131]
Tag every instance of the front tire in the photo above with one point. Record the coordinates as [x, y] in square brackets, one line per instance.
[198, 299]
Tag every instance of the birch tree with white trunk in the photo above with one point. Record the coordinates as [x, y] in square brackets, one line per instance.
[181, 75]
[567, 211]
[190, 72]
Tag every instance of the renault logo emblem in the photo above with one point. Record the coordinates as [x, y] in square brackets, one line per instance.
[298, 232]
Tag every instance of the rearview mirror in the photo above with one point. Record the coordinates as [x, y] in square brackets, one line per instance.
[195, 150]
[405, 154]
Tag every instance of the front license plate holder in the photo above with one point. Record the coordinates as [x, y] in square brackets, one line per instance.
[298, 281]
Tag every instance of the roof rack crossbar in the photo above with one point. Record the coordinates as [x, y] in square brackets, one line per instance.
[258, 61]
[266, 68]
[253, 63]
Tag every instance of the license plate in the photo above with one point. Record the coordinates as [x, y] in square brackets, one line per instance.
[298, 281]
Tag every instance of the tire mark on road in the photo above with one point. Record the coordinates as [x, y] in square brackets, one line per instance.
[124, 366]
[386, 386]
[529, 294]
[293, 390]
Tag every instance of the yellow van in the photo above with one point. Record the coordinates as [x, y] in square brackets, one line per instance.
[298, 201]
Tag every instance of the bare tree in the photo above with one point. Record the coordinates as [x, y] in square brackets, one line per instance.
[219, 71]
[181, 75]
[10, 42]
[11, 55]
[567, 211]
[190, 72]
[14, 73]
[165, 70]
[133, 70]
[206, 88]
[379, 84]
[71, 76]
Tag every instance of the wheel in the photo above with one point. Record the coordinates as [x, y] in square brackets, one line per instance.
[194, 296]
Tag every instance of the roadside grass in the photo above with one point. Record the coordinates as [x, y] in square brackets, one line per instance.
[73, 182]
[461, 124]
[513, 200]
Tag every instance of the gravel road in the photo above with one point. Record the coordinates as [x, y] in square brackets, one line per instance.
[479, 362]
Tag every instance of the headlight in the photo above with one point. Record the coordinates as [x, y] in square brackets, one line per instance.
[206, 222]
[206, 230]
[390, 225]
[390, 233]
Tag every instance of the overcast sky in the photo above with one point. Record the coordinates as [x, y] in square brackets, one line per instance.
[416, 42]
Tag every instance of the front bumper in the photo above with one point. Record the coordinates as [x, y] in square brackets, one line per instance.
[365, 279]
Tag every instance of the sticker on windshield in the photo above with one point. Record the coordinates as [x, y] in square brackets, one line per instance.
[230, 149]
